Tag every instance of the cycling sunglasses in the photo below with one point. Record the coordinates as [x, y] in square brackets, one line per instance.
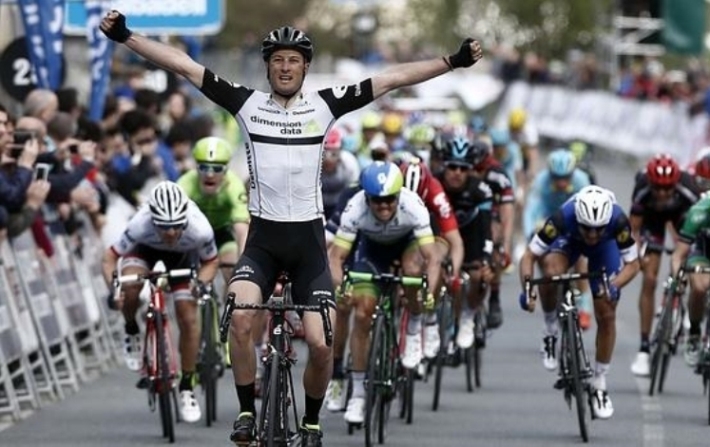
[383, 199]
[207, 168]
[458, 166]
[592, 230]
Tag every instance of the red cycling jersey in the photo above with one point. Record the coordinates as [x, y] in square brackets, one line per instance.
[419, 179]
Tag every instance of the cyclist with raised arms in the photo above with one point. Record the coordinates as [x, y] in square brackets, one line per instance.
[284, 130]
[471, 199]
[172, 229]
[662, 195]
[393, 225]
[551, 188]
[593, 225]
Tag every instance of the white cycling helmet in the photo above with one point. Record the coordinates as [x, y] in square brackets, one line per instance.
[168, 204]
[593, 206]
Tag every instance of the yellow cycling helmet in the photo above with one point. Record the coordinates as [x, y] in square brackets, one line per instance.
[392, 124]
[212, 150]
[371, 121]
[516, 119]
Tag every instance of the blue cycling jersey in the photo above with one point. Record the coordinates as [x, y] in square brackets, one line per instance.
[543, 199]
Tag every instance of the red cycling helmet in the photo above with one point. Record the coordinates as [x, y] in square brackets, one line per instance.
[663, 170]
[333, 140]
[416, 176]
[702, 168]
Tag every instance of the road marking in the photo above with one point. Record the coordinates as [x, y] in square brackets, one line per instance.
[653, 434]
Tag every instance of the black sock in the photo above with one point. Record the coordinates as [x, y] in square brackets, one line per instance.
[645, 344]
[495, 293]
[247, 395]
[186, 381]
[695, 328]
[338, 372]
[131, 327]
[313, 407]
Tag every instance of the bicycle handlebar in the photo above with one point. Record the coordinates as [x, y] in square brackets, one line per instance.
[387, 278]
[322, 308]
[563, 278]
[155, 275]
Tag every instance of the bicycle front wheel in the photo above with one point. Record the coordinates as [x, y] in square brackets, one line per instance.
[375, 378]
[273, 411]
[164, 381]
[573, 354]
[445, 322]
[659, 348]
[209, 363]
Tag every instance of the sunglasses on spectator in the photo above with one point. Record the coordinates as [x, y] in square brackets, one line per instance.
[591, 230]
[144, 141]
[383, 199]
[458, 166]
[207, 168]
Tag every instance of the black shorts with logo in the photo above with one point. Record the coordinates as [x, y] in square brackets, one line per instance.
[296, 248]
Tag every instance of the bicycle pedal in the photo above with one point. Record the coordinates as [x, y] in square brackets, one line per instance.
[143, 383]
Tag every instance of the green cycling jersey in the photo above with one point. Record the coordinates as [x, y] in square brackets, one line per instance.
[697, 221]
[227, 207]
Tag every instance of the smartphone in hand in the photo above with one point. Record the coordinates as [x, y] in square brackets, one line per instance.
[42, 171]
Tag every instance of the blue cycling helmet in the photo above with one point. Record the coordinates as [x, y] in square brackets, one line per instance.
[499, 137]
[381, 179]
[478, 124]
[456, 150]
[561, 163]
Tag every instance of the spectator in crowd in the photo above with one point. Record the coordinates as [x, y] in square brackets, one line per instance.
[179, 140]
[41, 103]
[68, 100]
[148, 100]
[136, 164]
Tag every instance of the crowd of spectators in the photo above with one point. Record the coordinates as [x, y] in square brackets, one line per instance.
[55, 162]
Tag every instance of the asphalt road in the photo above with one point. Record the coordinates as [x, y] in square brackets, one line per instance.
[516, 405]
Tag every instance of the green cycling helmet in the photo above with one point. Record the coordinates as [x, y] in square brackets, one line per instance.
[212, 150]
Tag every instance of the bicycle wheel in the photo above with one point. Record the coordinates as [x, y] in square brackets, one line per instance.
[445, 317]
[480, 322]
[659, 347]
[164, 385]
[374, 380]
[273, 418]
[208, 363]
[573, 348]
[469, 358]
[410, 394]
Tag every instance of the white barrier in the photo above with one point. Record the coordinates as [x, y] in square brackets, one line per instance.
[54, 325]
[599, 117]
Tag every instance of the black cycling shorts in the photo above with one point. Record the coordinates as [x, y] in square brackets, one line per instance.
[296, 248]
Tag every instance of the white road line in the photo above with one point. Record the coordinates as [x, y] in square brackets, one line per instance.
[653, 434]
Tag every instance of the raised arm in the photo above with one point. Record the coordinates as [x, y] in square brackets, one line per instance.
[165, 56]
[411, 73]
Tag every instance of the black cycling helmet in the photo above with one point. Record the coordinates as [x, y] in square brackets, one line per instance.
[287, 37]
[456, 151]
[478, 152]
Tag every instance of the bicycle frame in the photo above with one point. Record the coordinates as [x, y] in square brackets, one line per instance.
[160, 364]
[278, 392]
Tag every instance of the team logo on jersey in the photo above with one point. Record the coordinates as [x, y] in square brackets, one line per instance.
[550, 230]
[624, 236]
[312, 126]
[340, 91]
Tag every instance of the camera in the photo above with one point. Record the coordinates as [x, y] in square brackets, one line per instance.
[19, 139]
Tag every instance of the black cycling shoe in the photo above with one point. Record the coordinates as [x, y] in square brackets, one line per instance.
[495, 315]
[311, 435]
[244, 430]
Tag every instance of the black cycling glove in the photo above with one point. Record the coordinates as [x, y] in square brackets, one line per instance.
[119, 32]
[462, 58]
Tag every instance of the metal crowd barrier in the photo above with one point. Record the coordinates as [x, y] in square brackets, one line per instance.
[56, 331]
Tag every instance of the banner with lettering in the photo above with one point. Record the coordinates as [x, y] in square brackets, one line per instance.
[100, 52]
[44, 21]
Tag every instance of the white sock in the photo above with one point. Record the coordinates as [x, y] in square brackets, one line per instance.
[358, 378]
[550, 323]
[430, 319]
[414, 325]
[599, 381]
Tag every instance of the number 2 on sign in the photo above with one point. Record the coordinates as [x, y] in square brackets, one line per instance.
[24, 75]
